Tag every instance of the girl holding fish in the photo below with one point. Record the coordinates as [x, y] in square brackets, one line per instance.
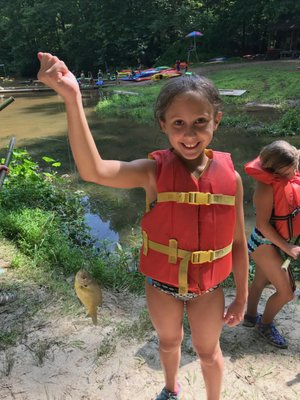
[193, 229]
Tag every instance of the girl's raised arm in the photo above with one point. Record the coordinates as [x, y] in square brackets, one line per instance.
[139, 173]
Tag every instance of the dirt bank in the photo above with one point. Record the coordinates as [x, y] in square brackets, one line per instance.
[46, 354]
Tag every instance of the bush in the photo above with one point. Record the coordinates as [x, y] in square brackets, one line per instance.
[46, 220]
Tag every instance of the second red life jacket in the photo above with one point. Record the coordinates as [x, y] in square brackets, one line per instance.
[286, 192]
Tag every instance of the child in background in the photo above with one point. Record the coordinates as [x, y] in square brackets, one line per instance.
[193, 230]
[277, 204]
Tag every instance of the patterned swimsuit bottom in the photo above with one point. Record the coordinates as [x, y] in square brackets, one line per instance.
[256, 239]
[173, 291]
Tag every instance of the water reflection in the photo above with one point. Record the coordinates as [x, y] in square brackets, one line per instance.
[100, 229]
[39, 124]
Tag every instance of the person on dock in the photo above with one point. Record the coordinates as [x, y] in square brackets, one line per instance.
[90, 78]
[100, 75]
[193, 228]
[277, 204]
[82, 76]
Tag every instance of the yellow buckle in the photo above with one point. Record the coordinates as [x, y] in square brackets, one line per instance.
[195, 198]
[198, 198]
[200, 257]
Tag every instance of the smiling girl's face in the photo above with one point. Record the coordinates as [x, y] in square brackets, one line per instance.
[190, 122]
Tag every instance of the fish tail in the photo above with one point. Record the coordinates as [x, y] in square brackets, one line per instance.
[93, 314]
[94, 318]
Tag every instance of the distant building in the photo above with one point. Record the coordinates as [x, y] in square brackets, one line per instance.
[284, 38]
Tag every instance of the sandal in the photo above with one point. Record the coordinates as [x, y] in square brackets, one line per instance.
[7, 297]
[271, 334]
[165, 394]
[250, 321]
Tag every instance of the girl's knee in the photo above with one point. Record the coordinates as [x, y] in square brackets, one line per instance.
[259, 284]
[170, 343]
[289, 296]
[286, 295]
[209, 358]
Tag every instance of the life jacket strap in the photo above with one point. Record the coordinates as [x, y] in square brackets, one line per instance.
[173, 253]
[196, 198]
[293, 214]
[289, 220]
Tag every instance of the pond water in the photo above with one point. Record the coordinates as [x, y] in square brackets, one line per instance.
[37, 120]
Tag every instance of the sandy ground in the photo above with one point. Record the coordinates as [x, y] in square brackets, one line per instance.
[61, 356]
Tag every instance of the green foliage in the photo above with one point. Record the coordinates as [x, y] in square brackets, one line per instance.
[140, 107]
[109, 33]
[46, 221]
[123, 273]
[241, 120]
[177, 51]
[290, 121]
[8, 339]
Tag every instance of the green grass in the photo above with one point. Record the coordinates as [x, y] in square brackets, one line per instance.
[268, 82]
[138, 107]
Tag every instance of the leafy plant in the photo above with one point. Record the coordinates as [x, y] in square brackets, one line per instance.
[46, 220]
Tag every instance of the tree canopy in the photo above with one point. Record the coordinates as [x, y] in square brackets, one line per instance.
[89, 34]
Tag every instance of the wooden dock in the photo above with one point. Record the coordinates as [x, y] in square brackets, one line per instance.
[24, 90]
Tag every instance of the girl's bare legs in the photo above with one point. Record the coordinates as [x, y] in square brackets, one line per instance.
[166, 314]
[268, 263]
[255, 290]
[205, 314]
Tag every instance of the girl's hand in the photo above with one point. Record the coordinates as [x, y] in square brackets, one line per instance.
[55, 74]
[234, 313]
[292, 250]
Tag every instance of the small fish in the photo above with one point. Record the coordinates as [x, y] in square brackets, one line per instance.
[89, 293]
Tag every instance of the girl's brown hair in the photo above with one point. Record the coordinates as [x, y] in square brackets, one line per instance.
[278, 154]
[182, 85]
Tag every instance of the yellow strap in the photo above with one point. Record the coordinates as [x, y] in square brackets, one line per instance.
[195, 257]
[182, 275]
[150, 157]
[145, 243]
[173, 254]
[196, 198]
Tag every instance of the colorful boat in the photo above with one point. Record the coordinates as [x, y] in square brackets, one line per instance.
[166, 74]
[152, 73]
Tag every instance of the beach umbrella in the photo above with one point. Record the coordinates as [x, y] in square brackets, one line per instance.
[194, 34]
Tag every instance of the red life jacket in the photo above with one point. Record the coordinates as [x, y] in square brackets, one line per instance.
[286, 192]
[194, 227]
